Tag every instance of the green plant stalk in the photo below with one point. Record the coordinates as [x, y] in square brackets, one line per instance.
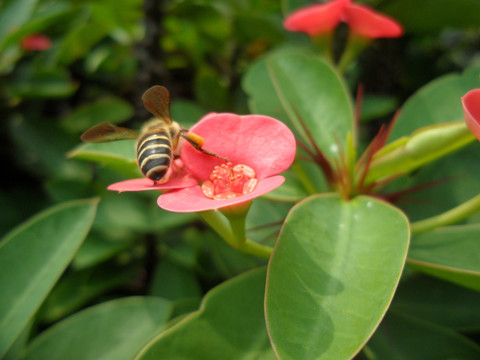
[323, 43]
[355, 45]
[232, 229]
[220, 224]
[449, 217]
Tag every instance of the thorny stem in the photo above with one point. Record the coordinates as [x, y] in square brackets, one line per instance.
[399, 195]
[317, 155]
[449, 217]
[375, 145]
[366, 158]
[320, 161]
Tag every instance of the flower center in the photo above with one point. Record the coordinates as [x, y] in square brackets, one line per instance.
[227, 181]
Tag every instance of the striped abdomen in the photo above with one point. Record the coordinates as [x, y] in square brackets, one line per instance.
[154, 153]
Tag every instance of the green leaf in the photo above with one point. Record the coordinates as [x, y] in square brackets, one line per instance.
[211, 90]
[438, 301]
[40, 146]
[117, 155]
[185, 306]
[332, 275]
[229, 325]
[187, 113]
[80, 40]
[109, 109]
[435, 103]
[173, 281]
[453, 176]
[402, 337]
[42, 82]
[14, 14]
[40, 21]
[291, 5]
[431, 16]
[131, 211]
[32, 258]
[423, 146]
[97, 249]
[246, 30]
[113, 330]
[76, 289]
[264, 220]
[450, 253]
[304, 178]
[376, 106]
[444, 184]
[312, 93]
[290, 191]
[263, 98]
[21, 342]
[121, 18]
[223, 259]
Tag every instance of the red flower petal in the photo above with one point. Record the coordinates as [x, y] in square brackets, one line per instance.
[192, 199]
[366, 22]
[143, 184]
[471, 111]
[316, 19]
[260, 142]
[35, 42]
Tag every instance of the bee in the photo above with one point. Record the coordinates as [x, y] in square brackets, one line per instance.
[158, 139]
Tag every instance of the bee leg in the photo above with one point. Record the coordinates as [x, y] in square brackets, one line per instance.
[197, 142]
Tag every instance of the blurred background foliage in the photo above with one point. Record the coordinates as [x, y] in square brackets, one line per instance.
[104, 55]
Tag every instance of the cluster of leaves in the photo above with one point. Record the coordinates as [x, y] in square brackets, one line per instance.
[94, 274]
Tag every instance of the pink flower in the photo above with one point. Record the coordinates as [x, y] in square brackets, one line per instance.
[471, 111]
[37, 42]
[177, 178]
[258, 148]
[363, 21]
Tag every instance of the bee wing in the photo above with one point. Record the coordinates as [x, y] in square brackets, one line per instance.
[157, 101]
[106, 131]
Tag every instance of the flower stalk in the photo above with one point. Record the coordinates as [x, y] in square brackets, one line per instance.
[355, 45]
[231, 228]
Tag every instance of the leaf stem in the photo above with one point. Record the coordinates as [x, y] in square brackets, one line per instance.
[449, 217]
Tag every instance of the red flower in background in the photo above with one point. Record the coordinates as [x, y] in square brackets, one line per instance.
[363, 21]
[317, 18]
[38, 42]
[366, 22]
[258, 148]
[471, 111]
